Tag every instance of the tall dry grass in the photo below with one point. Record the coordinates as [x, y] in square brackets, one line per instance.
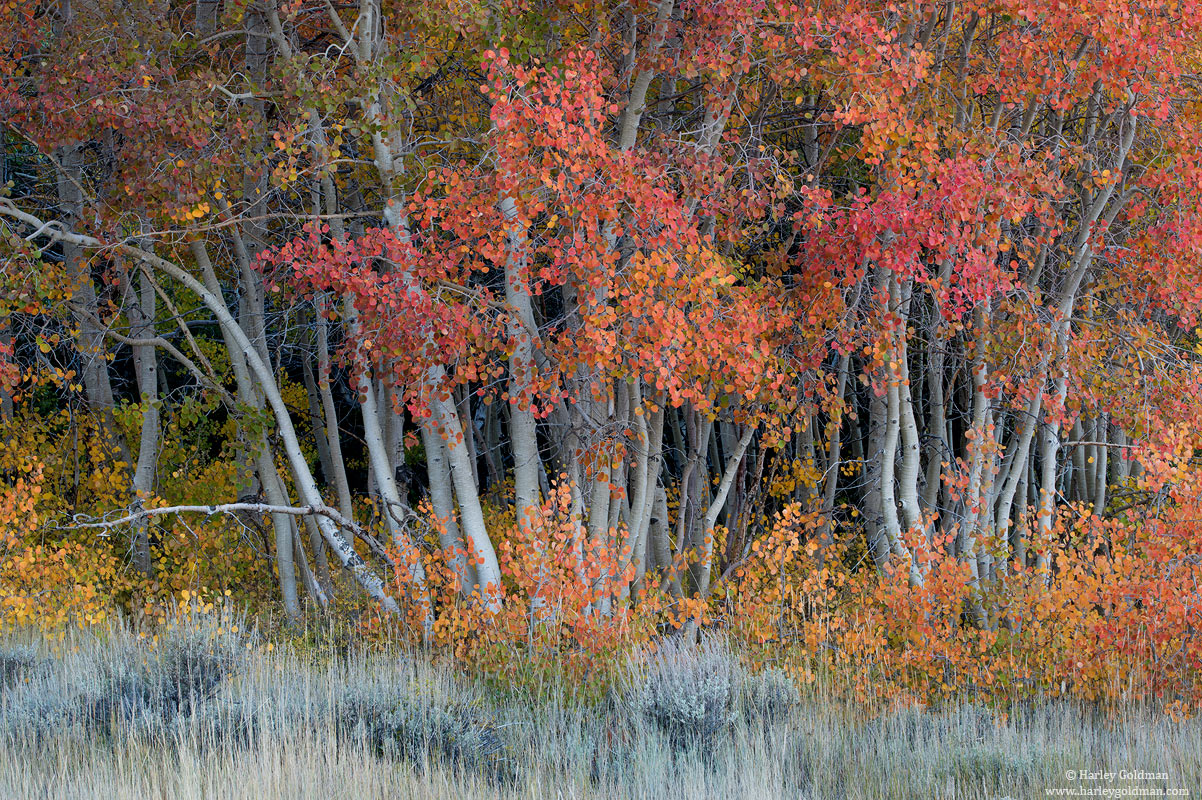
[204, 710]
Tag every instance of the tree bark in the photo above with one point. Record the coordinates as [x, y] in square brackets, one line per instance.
[141, 312]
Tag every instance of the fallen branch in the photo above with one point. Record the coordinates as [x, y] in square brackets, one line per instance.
[221, 508]
[78, 521]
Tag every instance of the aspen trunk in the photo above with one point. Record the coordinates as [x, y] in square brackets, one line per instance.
[141, 312]
[907, 477]
[521, 329]
[330, 411]
[255, 376]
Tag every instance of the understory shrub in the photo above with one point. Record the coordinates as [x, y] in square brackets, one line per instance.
[405, 726]
[196, 679]
[688, 692]
[16, 663]
[768, 696]
[127, 681]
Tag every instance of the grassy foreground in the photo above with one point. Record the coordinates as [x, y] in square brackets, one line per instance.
[203, 710]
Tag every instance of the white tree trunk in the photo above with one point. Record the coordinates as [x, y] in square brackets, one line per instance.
[141, 312]
[522, 330]
[330, 411]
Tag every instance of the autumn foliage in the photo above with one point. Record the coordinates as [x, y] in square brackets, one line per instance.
[534, 331]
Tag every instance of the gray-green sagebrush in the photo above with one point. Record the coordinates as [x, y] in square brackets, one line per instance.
[203, 709]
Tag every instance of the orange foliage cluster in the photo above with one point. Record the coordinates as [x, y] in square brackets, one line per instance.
[1113, 618]
[569, 608]
[1109, 620]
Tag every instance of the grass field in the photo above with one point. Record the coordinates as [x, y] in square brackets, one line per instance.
[205, 711]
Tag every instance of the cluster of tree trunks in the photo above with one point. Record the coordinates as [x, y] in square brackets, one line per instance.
[914, 441]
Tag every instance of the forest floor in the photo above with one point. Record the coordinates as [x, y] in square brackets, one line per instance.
[205, 710]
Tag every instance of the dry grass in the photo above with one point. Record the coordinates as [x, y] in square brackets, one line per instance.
[202, 714]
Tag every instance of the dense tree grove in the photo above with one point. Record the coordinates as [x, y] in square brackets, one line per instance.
[865, 330]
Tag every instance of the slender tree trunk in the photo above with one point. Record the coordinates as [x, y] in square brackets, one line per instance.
[873, 471]
[471, 515]
[141, 312]
[1049, 453]
[317, 421]
[442, 501]
[330, 412]
[321, 561]
[1014, 473]
[254, 376]
[84, 303]
[1102, 467]
[661, 544]
[719, 500]
[522, 331]
[907, 477]
[315, 590]
[834, 460]
[6, 399]
[275, 494]
[936, 414]
[889, 445]
[650, 427]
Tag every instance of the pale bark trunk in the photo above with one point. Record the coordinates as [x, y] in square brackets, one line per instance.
[330, 411]
[661, 544]
[521, 329]
[976, 501]
[711, 515]
[445, 418]
[442, 502]
[488, 570]
[315, 589]
[90, 338]
[462, 402]
[936, 424]
[320, 561]
[1018, 533]
[1082, 482]
[873, 469]
[691, 489]
[317, 420]
[834, 460]
[1122, 464]
[892, 433]
[275, 494]
[1014, 471]
[637, 102]
[253, 374]
[394, 507]
[251, 393]
[141, 311]
[1062, 331]
[907, 477]
[650, 456]
[1102, 466]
